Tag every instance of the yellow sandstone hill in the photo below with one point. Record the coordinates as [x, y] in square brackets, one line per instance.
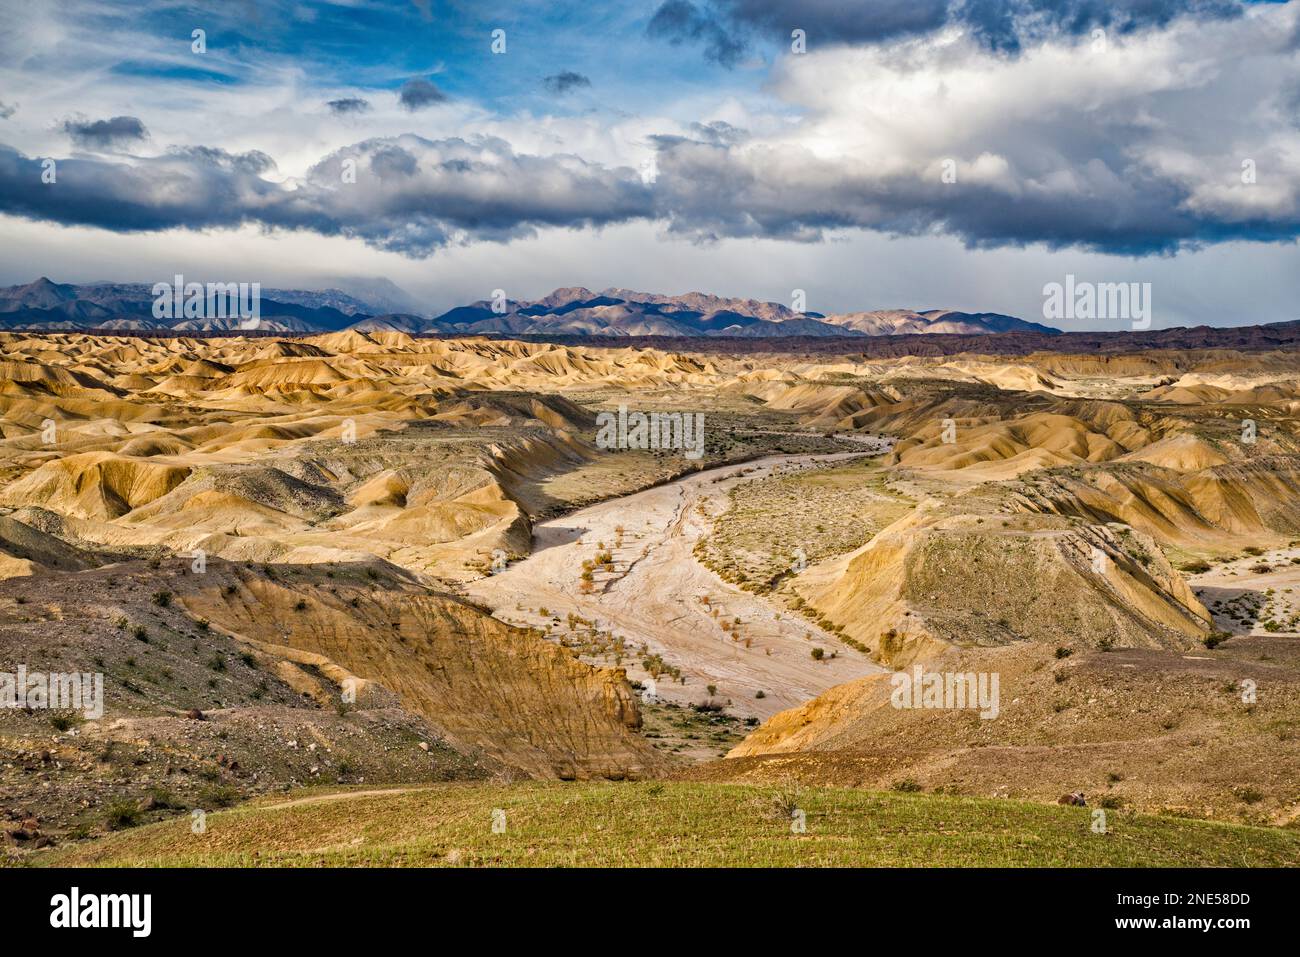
[937, 578]
[97, 485]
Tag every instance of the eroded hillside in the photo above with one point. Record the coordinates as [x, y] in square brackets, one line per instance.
[263, 541]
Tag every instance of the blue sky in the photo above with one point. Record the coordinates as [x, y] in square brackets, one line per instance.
[375, 47]
[933, 153]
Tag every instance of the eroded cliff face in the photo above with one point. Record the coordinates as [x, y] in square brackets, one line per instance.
[489, 688]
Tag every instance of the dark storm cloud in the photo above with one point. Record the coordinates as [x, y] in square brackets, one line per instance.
[565, 81]
[348, 105]
[679, 21]
[856, 21]
[195, 189]
[708, 191]
[417, 94]
[725, 28]
[412, 195]
[105, 134]
[7, 110]
[450, 190]
[409, 195]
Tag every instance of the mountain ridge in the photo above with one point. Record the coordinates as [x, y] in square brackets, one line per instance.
[46, 305]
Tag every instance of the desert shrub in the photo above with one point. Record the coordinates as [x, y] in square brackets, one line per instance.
[63, 722]
[1216, 638]
[784, 800]
[220, 796]
[122, 814]
[164, 799]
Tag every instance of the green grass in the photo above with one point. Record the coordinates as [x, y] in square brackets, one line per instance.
[674, 824]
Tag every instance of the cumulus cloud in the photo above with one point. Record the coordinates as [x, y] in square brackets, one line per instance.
[1135, 147]
[348, 105]
[413, 195]
[565, 82]
[418, 94]
[105, 134]
[409, 194]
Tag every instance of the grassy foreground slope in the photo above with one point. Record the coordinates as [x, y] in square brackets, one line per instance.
[673, 824]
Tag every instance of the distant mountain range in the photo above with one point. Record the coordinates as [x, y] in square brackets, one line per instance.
[376, 304]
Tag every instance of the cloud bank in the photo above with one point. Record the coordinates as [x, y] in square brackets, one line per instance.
[405, 194]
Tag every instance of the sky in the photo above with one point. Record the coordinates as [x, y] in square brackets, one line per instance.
[921, 154]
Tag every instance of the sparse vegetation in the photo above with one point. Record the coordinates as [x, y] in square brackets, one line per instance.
[732, 825]
[122, 814]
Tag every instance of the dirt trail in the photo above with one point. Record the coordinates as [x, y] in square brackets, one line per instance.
[340, 796]
[654, 595]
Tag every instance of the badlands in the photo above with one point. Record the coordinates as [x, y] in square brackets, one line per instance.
[371, 561]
